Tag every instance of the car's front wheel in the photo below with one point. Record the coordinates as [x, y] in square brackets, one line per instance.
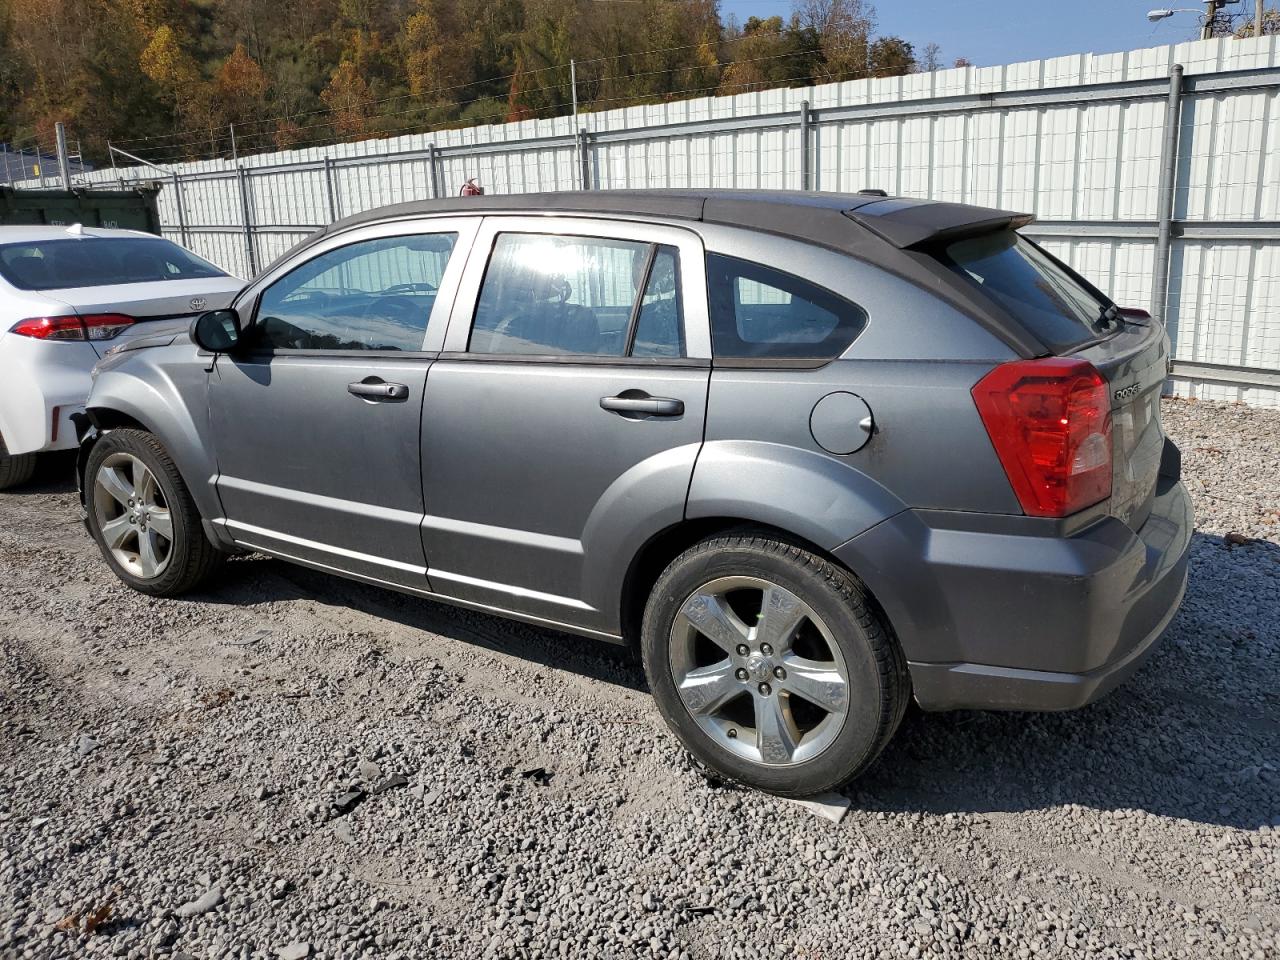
[143, 518]
[15, 469]
[771, 666]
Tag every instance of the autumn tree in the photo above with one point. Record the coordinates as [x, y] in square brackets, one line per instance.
[347, 97]
[1270, 25]
[241, 86]
[166, 62]
[844, 31]
[769, 53]
[890, 57]
[434, 61]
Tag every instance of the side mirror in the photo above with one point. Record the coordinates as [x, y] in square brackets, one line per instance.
[217, 331]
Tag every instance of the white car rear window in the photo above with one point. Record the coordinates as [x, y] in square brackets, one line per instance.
[98, 261]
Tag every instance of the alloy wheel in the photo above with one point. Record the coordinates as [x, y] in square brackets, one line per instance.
[759, 671]
[133, 516]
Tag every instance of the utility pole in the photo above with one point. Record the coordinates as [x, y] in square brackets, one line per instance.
[64, 166]
[1210, 18]
[1257, 18]
[234, 158]
[573, 82]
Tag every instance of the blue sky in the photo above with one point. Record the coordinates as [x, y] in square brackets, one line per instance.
[1005, 31]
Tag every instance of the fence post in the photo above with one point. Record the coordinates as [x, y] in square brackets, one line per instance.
[805, 160]
[329, 190]
[243, 179]
[434, 177]
[182, 215]
[64, 165]
[1165, 195]
[584, 158]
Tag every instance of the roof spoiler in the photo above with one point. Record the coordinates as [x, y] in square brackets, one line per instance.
[913, 223]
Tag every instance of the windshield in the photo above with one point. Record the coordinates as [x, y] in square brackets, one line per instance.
[1052, 304]
[98, 261]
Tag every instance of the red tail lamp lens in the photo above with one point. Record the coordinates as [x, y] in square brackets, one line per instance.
[1050, 423]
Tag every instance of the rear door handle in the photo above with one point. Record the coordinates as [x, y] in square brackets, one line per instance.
[644, 404]
[373, 388]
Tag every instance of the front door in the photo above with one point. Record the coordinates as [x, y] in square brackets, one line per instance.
[316, 422]
[563, 420]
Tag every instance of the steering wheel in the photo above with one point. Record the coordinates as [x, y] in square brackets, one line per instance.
[402, 310]
[421, 286]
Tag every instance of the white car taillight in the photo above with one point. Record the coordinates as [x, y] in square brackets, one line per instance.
[91, 326]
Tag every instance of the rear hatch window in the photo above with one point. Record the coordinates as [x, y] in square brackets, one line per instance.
[60, 264]
[1021, 278]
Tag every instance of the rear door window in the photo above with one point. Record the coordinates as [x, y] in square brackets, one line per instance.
[758, 312]
[90, 261]
[1052, 304]
[552, 295]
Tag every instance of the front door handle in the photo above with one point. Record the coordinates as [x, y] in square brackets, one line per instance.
[374, 388]
[642, 403]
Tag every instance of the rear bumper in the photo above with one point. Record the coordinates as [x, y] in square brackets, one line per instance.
[42, 385]
[1011, 619]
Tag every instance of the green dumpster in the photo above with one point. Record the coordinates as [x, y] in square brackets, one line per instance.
[126, 209]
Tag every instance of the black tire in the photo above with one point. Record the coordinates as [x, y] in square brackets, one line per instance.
[192, 558]
[878, 682]
[15, 469]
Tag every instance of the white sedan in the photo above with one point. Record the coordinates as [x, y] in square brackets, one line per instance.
[67, 295]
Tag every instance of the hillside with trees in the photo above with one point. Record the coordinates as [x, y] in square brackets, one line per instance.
[168, 78]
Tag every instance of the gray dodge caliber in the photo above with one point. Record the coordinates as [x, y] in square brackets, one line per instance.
[815, 455]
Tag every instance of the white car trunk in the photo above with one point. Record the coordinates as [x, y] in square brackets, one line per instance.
[156, 306]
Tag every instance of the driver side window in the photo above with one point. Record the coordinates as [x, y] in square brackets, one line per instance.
[371, 295]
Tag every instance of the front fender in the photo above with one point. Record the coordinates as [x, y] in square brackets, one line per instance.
[165, 390]
[826, 500]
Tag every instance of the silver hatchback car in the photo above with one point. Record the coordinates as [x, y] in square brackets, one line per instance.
[813, 454]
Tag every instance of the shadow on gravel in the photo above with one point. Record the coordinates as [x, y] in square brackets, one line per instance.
[1195, 734]
[264, 578]
[55, 473]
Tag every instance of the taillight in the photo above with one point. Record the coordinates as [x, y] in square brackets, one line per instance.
[1050, 422]
[91, 326]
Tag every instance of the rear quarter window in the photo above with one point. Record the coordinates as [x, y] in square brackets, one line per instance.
[1020, 277]
[758, 312]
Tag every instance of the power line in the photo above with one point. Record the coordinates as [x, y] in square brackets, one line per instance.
[171, 156]
[505, 115]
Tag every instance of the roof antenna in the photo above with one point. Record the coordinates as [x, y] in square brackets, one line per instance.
[76, 230]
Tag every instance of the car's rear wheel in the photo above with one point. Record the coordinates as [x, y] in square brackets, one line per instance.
[771, 665]
[143, 518]
[15, 469]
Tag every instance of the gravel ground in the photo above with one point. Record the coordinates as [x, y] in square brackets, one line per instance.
[291, 765]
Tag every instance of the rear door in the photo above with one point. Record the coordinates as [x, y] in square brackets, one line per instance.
[316, 423]
[563, 420]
